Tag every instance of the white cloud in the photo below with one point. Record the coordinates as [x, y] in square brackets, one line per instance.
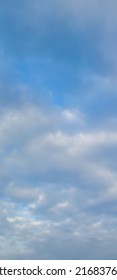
[64, 204]
[70, 181]
[27, 234]
[58, 177]
[33, 142]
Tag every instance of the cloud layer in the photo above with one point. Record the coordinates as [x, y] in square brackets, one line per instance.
[58, 184]
[58, 130]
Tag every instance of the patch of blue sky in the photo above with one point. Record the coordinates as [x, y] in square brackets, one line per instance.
[58, 120]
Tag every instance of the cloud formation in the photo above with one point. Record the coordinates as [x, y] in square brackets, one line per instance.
[58, 130]
[55, 174]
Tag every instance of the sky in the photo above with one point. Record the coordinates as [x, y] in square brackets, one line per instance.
[58, 129]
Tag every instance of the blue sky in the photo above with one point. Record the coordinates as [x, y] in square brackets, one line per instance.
[58, 129]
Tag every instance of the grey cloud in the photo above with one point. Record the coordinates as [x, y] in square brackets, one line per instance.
[57, 170]
[51, 182]
[38, 144]
[31, 238]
